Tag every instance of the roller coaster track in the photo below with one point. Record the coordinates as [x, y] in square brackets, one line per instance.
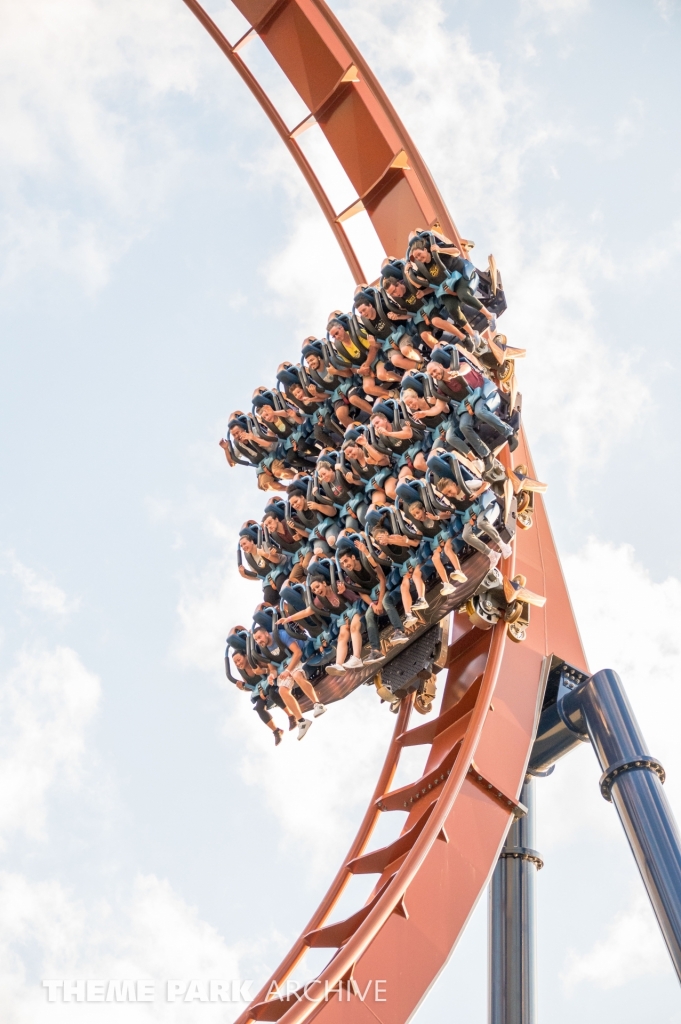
[430, 878]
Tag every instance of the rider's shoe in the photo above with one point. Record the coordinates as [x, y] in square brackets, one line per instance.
[420, 604]
[373, 657]
[353, 662]
[303, 725]
[319, 709]
[278, 736]
[397, 637]
[447, 588]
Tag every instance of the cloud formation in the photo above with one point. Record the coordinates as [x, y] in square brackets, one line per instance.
[47, 702]
[38, 592]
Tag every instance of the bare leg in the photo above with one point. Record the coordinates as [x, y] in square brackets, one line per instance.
[292, 705]
[305, 685]
[370, 387]
[384, 374]
[397, 359]
[390, 487]
[342, 644]
[452, 555]
[356, 634]
[448, 326]
[360, 403]
[418, 582]
[439, 567]
[405, 591]
[343, 415]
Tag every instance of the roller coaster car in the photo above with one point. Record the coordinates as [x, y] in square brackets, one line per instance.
[410, 668]
[525, 487]
[501, 598]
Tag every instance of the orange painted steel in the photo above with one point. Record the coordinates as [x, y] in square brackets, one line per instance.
[431, 876]
[343, 96]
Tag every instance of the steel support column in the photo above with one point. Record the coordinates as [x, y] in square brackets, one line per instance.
[512, 922]
[633, 779]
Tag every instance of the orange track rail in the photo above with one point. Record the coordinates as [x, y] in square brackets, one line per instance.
[430, 878]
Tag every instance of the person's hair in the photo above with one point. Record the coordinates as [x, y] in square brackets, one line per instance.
[266, 481]
[441, 480]
[280, 469]
[390, 276]
[416, 504]
[419, 243]
[410, 391]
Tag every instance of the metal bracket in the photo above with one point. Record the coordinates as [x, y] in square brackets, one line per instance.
[523, 853]
[651, 764]
[478, 779]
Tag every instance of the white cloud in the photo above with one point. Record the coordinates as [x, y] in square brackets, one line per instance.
[632, 947]
[38, 592]
[146, 932]
[47, 702]
[629, 623]
[88, 152]
[556, 7]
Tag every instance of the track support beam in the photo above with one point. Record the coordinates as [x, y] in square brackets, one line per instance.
[632, 779]
[512, 922]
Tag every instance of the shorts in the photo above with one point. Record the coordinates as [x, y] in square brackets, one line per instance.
[346, 617]
[378, 480]
[287, 683]
[423, 445]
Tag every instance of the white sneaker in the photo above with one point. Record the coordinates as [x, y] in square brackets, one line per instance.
[303, 725]
[506, 550]
[335, 670]
[410, 620]
[447, 588]
[420, 604]
[458, 576]
[494, 557]
[353, 662]
[319, 709]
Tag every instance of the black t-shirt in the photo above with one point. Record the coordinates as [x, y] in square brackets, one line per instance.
[364, 580]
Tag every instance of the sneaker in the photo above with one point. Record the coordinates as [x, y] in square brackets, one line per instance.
[319, 709]
[398, 637]
[292, 724]
[353, 662]
[278, 736]
[411, 620]
[458, 576]
[373, 656]
[303, 725]
[420, 604]
[335, 670]
[447, 588]
[494, 557]
[506, 550]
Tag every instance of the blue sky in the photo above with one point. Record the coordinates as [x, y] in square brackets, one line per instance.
[160, 256]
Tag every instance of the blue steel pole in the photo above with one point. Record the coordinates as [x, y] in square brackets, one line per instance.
[512, 923]
[632, 779]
